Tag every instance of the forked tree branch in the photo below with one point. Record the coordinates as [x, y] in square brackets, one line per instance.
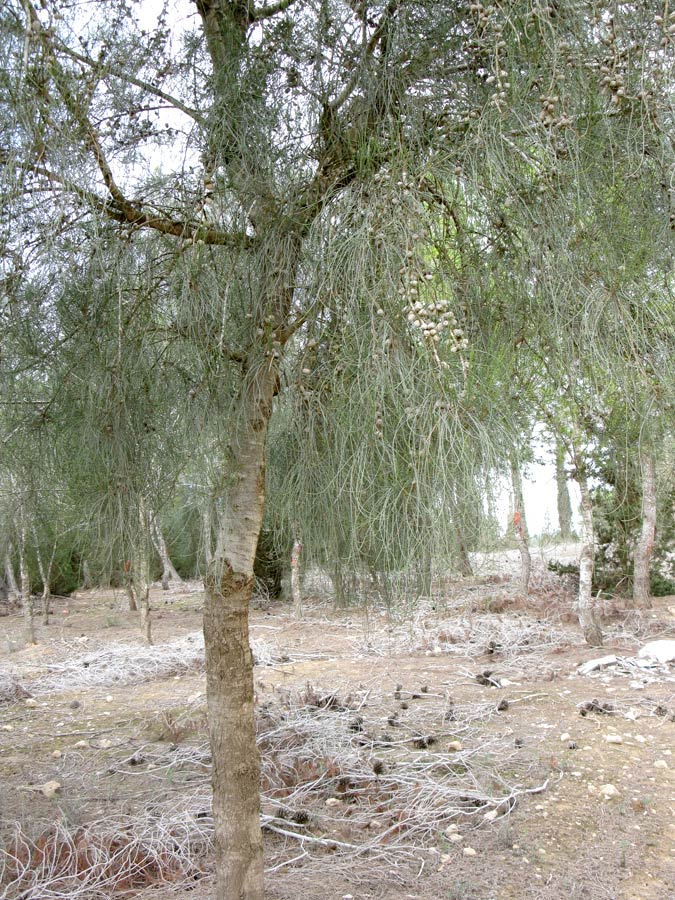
[102, 68]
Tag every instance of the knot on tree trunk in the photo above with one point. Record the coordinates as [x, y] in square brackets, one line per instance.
[221, 580]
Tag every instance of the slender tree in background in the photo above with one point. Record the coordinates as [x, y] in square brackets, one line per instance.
[564, 504]
[643, 549]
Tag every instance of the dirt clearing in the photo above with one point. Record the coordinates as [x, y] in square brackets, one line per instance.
[451, 752]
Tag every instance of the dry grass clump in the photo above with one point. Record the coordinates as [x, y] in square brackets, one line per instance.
[125, 664]
[338, 785]
[105, 858]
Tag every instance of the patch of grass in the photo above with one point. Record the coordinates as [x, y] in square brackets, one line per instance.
[176, 725]
[506, 837]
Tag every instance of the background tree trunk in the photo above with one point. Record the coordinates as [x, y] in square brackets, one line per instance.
[296, 595]
[129, 586]
[86, 576]
[564, 503]
[465, 567]
[518, 502]
[207, 534]
[520, 527]
[587, 619]
[142, 573]
[14, 593]
[26, 596]
[46, 576]
[169, 573]
[525, 558]
[645, 544]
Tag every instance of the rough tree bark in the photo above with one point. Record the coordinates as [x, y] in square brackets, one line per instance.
[86, 576]
[587, 618]
[563, 497]
[645, 544]
[229, 662]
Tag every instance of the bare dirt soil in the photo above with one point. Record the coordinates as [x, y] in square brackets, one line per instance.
[394, 766]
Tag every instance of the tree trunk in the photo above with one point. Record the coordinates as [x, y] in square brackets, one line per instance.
[525, 558]
[564, 503]
[645, 544]
[296, 596]
[587, 619]
[337, 577]
[86, 576]
[464, 563]
[45, 575]
[10, 578]
[142, 573]
[168, 571]
[129, 586]
[26, 596]
[520, 528]
[229, 662]
[46, 601]
[465, 567]
[518, 502]
[207, 534]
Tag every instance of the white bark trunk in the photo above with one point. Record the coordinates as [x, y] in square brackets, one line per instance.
[169, 573]
[587, 617]
[295, 578]
[13, 587]
[45, 576]
[563, 494]
[645, 544]
[26, 596]
[207, 535]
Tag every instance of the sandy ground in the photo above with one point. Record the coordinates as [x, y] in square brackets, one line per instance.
[400, 673]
